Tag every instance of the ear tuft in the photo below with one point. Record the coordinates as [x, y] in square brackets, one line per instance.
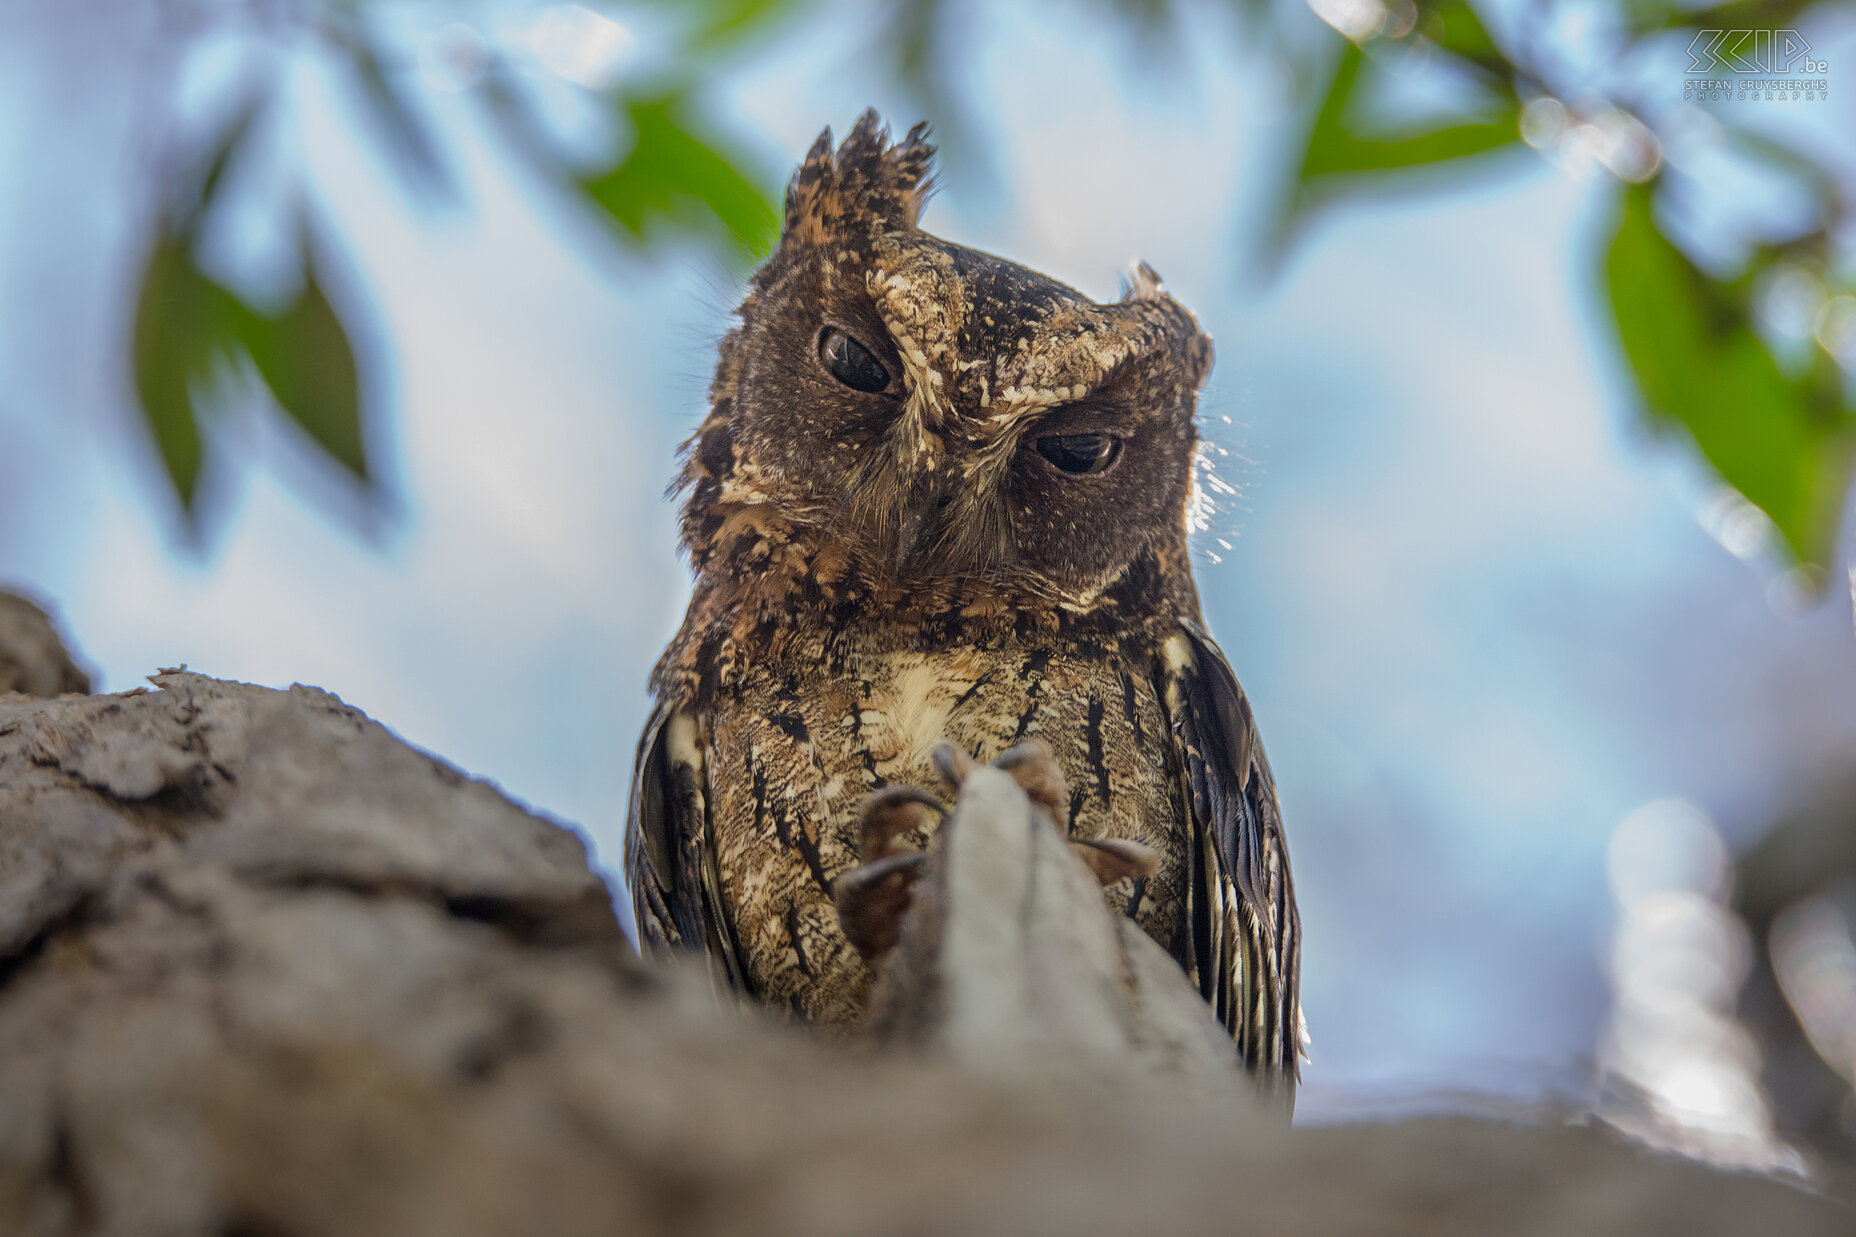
[871, 184]
[1140, 282]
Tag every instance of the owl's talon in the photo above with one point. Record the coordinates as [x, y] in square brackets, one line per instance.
[902, 793]
[889, 813]
[1035, 769]
[872, 899]
[952, 764]
[1113, 859]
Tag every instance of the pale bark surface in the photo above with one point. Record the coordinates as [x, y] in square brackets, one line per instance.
[265, 970]
[1010, 959]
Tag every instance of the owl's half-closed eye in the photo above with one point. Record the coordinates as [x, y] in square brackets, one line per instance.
[851, 363]
[1080, 455]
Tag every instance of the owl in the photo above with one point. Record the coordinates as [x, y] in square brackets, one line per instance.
[941, 496]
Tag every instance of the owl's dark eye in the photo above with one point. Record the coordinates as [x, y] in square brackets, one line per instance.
[851, 363]
[1080, 453]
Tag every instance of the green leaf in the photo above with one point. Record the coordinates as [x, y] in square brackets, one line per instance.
[181, 325]
[165, 333]
[1420, 149]
[1784, 444]
[672, 174]
[304, 356]
[1340, 155]
[186, 322]
[1343, 155]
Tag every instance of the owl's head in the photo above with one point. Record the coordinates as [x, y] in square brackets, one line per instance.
[911, 410]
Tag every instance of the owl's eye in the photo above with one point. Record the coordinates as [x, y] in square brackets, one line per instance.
[851, 363]
[1080, 453]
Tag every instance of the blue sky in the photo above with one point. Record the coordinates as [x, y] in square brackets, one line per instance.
[1474, 604]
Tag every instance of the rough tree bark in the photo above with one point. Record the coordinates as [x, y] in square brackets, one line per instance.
[266, 970]
[1008, 958]
[33, 659]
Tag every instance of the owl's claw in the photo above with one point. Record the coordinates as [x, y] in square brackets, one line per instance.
[1113, 859]
[1035, 769]
[889, 813]
[872, 897]
[1031, 765]
[952, 763]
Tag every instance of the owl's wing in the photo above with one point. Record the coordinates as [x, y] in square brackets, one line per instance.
[1245, 932]
[669, 854]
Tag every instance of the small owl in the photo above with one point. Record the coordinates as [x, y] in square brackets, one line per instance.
[941, 496]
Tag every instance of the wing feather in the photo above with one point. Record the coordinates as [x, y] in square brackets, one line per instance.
[1246, 935]
[669, 852]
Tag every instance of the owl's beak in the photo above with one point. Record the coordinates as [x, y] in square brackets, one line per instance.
[921, 512]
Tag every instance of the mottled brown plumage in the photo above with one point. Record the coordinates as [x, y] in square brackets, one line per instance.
[944, 556]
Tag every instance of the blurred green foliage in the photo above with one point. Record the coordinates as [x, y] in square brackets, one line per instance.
[672, 174]
[191, 333]
[1781, 435]
[1344, 148]
[1783, 443]
[1783, 438]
